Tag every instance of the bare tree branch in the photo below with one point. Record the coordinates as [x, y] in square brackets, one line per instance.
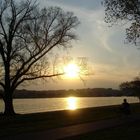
[2, 84]
[27, 35]
[117, 11]
[37, 77]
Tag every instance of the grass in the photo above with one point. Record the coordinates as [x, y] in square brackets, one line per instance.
[129, 131]
[42, 121]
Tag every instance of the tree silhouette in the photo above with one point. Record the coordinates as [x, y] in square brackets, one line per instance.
[27, 36]
[127, 11]
[131, 87]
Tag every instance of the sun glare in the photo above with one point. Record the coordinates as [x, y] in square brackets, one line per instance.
[72, 103]
[71, 70]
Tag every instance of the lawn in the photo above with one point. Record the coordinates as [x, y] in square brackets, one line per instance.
[129, 131]
[25, 123]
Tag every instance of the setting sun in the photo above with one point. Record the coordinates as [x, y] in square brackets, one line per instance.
[71, 70]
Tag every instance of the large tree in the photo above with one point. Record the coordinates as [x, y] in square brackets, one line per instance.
[131, 87]
[28, 34]
[127, 11]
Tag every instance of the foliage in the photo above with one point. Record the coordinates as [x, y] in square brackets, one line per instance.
[127, 11]
[131, 87]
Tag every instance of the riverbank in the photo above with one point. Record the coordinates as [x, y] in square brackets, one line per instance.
[37, 122]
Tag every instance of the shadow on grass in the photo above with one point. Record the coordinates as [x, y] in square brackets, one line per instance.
[36, 122]
[129, 131]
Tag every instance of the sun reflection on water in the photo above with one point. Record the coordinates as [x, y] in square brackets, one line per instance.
[72, 103]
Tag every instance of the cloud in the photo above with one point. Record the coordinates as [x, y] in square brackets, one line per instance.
[104, 46]
[85, 4]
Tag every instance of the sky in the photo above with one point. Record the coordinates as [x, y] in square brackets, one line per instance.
[112, 59]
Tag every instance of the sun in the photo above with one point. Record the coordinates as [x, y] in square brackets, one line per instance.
[71, 70]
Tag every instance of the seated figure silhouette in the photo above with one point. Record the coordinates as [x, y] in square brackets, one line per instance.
[125, 107]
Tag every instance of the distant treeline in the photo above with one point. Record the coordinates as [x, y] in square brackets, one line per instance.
[94, 92]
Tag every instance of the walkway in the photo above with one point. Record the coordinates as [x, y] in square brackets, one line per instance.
[74, 130]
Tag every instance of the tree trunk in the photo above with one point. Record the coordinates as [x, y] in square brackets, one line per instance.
[8, 96]
[9, 108]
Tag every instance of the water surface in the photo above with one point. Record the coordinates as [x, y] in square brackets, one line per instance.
[72, 103]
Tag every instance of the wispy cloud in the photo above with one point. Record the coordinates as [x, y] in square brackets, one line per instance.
[111, 58]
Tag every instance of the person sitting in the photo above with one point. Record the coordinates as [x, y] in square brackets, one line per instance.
[125, 107]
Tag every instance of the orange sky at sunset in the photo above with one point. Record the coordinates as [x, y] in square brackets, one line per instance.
[112, 60]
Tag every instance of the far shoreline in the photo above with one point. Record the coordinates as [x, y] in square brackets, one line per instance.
[87, 92]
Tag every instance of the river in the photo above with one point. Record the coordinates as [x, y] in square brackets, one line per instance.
[71, 103]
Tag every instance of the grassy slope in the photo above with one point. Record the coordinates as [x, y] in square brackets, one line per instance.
[48, 120]
[124, 132]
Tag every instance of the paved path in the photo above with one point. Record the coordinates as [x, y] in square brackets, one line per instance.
[73, 130]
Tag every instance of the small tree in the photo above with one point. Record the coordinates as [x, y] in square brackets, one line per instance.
[127, 11]
[132, 87]
[27, 35]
